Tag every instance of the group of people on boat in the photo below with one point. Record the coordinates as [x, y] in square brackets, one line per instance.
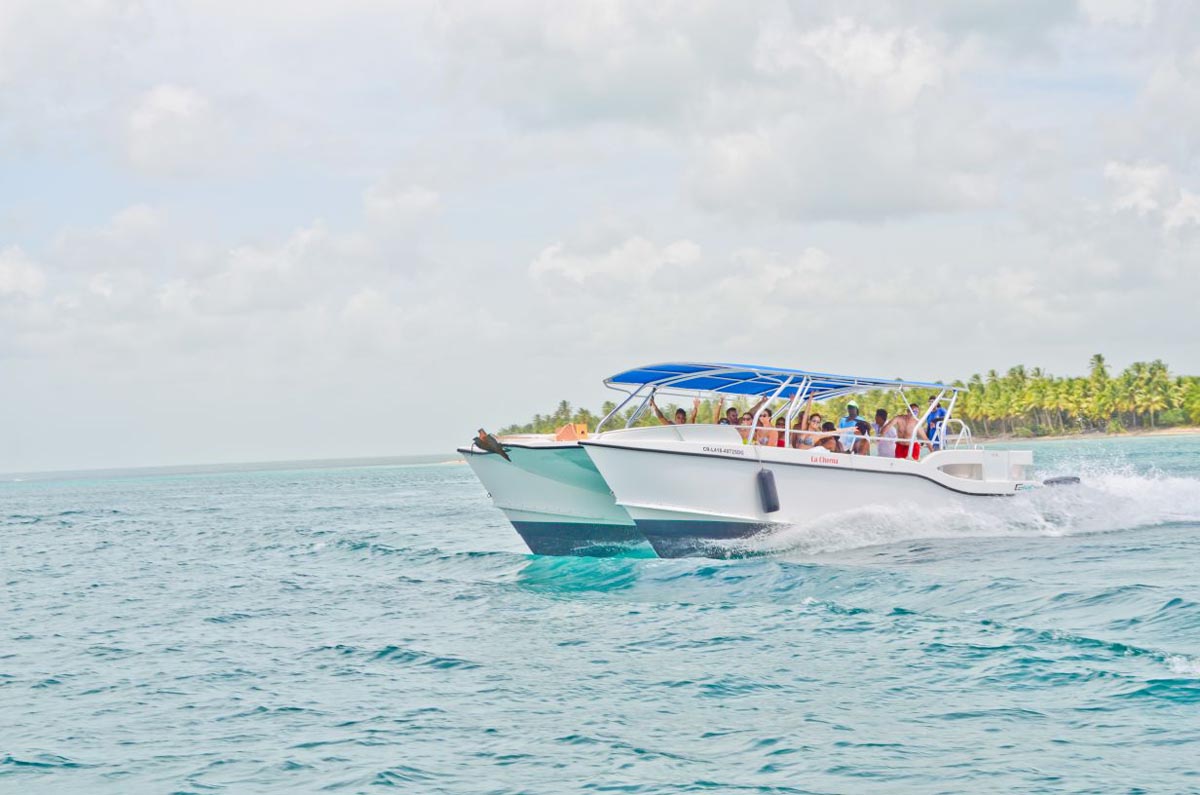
[851, 434]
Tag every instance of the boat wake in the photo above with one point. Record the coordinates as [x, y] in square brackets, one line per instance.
[1107, 500]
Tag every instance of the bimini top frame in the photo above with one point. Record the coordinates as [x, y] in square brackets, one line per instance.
[751, 381]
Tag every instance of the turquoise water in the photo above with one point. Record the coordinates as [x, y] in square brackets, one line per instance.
[366, 629]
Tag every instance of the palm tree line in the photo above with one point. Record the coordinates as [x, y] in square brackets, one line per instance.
[1021, 402]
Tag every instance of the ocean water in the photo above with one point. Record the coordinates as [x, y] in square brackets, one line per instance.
[366, 629]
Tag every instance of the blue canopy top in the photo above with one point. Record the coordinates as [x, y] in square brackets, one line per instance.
[749, 379]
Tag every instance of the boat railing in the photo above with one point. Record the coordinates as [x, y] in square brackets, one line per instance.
[953, 441]
[840, 434]
[748, 435]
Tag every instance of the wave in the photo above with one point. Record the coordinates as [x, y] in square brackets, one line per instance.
[1106, 500]
[571, 575]
[43, 760]
[398, 655]
[1183, 665]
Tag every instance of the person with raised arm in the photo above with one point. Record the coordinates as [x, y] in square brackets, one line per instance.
[760, 435]
[681, 417]
[811, 436]
[731, 414]
[801, 439]
[754, 409]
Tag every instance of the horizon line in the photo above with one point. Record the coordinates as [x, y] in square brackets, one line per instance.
[215, 467]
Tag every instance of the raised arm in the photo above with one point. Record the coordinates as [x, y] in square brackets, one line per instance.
[807, 411]
[658, 413]
[696, 409]
[754, 409]
[720, 404]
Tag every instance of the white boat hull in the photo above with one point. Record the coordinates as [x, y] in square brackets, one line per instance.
[556, 500]
[691, 490]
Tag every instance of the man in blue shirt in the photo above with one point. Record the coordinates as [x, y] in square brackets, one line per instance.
[934, 423]
[849, 421]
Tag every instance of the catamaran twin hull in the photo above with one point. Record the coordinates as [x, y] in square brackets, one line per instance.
[555, 498]
[691, 490]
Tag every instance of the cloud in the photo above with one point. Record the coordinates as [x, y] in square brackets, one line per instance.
[1139, 186]
[636, 263]
[852, 122]
[19, 275]
[548, 64]
[638, 292]
[1184, 212]
[792, 114]
[389, 202]
[829, 167]
[889, 66]
[1152, 191]
[1118, 12]
[173, 129]
[536, 192]
[138, 288]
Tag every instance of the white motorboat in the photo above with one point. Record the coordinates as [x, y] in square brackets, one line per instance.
[692, 489]
[554, 497]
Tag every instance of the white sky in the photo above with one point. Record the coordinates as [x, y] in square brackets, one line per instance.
[244, 231]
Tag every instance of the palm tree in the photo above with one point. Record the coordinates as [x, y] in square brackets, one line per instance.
[562, 415]
[1155, 401]
[973, 402]
[1126, 398]
[1031, 394]
[585, 417]
[1191, 400]
[1062, 401]
[1105, 402]
[1078, 399]
[1141, 400]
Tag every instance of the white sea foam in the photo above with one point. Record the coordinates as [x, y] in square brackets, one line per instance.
[1106, 500]
[1184, 666]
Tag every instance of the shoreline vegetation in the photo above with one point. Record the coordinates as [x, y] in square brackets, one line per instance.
[1146, 433]
[1143, 399]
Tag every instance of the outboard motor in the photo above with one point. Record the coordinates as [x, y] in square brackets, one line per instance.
[767, 491]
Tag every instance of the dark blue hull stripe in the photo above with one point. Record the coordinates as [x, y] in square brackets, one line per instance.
[578, 538]
[692, 539]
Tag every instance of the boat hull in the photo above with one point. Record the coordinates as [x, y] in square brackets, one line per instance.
[556, 500]
[705, 538]
[698, 492]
